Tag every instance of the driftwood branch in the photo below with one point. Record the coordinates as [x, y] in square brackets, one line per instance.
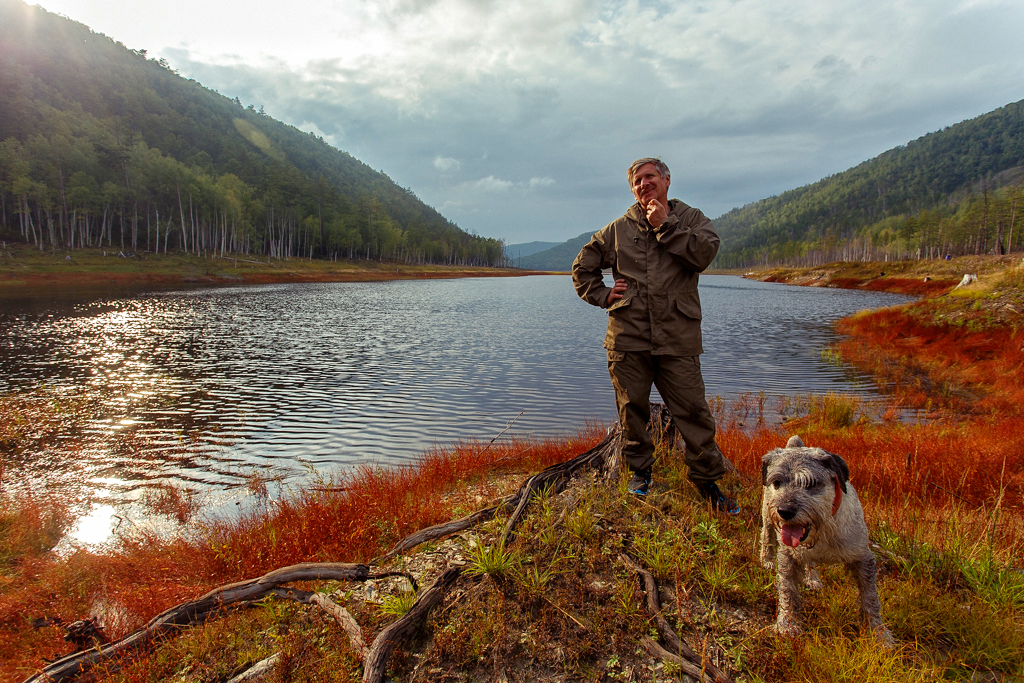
[292, 594]
[377, 660]
[432, 533]
[692, 663]
[257, 670]
[507, 427]
[558, 475]
[685, 665]
[603, 455]
[196, 611]
[347, 621]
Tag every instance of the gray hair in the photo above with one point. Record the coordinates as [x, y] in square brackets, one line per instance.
[658, 164]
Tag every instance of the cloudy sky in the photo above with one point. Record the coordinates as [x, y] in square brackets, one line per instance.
[517, 119]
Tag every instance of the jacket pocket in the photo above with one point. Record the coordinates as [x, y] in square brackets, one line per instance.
[689, 305]
[614, 356]
[620, 303]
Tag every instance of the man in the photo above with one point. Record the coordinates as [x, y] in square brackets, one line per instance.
[656, 251]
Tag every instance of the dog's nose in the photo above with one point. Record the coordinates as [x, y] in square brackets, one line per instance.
[787, 513]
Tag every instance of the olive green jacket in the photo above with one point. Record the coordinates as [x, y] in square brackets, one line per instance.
[660, 310]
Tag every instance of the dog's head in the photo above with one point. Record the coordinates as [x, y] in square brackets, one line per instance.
[801, 490]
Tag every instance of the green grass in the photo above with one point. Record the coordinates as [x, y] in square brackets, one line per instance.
[492, 559]
[399, 604]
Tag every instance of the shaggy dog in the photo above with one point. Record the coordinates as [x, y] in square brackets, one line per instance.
[811, 507]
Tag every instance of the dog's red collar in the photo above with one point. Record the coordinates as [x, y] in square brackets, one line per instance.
[838, 500]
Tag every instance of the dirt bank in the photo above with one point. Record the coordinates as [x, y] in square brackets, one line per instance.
[23, 268]
[926, 278]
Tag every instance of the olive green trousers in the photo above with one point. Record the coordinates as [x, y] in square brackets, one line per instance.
[681, 385]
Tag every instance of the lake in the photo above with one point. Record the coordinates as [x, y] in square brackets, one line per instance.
[204, 387]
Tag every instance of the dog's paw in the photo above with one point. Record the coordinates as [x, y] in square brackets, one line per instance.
[884, 637]
[786, 626]
[813, 580]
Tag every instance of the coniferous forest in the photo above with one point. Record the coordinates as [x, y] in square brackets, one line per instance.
[956, 191]
[102, 146]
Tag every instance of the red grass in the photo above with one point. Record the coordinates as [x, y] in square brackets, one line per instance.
[379, 507]
[934, 464]
[912, 286]
[846, 282]
[969, 371]
[896, 285]
[904, 474]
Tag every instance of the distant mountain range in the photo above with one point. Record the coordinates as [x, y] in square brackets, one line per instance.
[558, 258]
[513, 252]
[100, 144]
[955, 191]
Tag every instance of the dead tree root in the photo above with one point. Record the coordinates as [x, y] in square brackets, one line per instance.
[196, 611]
[432, 533]
[402, 630]
[693, 664]
[558, 475]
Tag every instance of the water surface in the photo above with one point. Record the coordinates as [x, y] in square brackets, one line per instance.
[205, 387]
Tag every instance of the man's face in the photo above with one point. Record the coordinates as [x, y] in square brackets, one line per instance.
[648, 184]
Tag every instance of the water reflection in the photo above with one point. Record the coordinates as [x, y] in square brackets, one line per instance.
[201, 388]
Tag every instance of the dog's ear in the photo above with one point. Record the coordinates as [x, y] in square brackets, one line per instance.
[766, 462]
[838, 466]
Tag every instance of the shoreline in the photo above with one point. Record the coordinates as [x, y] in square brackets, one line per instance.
[926, 278]
[24, 269]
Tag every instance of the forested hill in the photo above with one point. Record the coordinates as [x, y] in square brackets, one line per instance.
[101, 145]
[953, 191]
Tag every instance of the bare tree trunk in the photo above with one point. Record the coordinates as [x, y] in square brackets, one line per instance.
[1013, 217]
[181, 211]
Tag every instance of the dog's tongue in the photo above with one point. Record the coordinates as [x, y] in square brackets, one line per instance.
[792, 533]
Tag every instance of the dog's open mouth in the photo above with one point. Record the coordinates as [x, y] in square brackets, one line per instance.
[794, 534]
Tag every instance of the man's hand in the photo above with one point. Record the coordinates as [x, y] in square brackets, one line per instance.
[617, 290]
[656, 213]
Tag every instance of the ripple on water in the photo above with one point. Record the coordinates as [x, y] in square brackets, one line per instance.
[208, 386]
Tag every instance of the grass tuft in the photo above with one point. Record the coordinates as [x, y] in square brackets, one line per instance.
[494, 560]
[399, 604]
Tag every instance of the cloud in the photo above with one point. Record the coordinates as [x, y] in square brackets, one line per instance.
[447, 164]
[742, 98]
[491, 184]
